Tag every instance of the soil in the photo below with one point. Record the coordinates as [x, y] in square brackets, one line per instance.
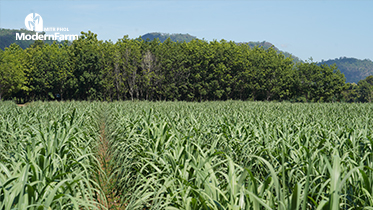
[104, 157]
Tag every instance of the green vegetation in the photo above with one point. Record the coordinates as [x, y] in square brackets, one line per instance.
[187, 38]
[47, 158]
[130, 69]
[267, 45]
[242, 155]
[12, 72]
[179, 155]
[354, 69]
[360, 92]
[164, 36]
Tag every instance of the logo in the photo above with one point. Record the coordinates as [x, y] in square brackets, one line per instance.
[34, 22]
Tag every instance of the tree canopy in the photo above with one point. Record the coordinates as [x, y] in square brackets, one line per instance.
[135, 69]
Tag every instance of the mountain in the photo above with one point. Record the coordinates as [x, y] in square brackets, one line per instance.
[163, 36]
[267, 45]
[353, 69]
[8, 37]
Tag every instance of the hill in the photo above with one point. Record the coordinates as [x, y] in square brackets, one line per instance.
[353, 69]
[163, 36]
[8, 37]
[187, 38]
[267, 45]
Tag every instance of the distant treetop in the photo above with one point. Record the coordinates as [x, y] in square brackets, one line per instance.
[163, 36]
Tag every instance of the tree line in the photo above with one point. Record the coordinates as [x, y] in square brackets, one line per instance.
[137, 69]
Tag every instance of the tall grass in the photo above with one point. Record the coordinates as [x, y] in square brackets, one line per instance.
[46, 158]
[178, 155]
[240, 155]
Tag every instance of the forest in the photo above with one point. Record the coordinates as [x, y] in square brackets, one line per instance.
[198, 70]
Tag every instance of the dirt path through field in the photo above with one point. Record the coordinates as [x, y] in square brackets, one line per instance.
[113, 202]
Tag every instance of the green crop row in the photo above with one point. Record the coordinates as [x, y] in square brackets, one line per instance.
[240, 155]
[47, 158]
[178, 155]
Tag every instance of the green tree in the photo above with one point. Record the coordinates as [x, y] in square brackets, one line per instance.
[269, 74]
[320, 83]
[151, 75]
[220, 69]
[12, 76]
[277, 74]
[243, 73]
[351, 93]
[365, 88]
[62, 69]
[37, 43]
[172, 73]
[200, 55]
[84, 58]
[109, 65]
[129, 69]
[48, 71]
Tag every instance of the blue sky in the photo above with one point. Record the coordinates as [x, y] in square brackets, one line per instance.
[306, 28]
